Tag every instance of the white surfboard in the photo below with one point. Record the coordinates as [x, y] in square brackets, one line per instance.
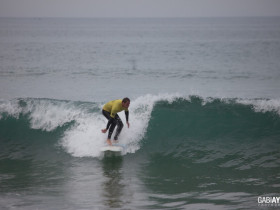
[113, 148]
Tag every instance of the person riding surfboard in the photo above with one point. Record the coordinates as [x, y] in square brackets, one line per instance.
[110, 111]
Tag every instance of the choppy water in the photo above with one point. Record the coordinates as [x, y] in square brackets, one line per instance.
[204, 115]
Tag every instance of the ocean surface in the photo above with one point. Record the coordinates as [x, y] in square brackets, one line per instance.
[204, 115]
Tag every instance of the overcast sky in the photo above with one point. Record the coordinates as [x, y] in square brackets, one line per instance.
[138, 8]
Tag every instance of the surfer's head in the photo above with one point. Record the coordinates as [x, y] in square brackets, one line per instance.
[125, 102]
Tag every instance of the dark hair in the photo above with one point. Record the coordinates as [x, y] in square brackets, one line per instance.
[125, 100]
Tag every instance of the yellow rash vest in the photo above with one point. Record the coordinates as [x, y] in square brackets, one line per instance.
[114, 107]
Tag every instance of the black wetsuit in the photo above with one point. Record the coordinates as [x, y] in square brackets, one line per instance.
[112, 122]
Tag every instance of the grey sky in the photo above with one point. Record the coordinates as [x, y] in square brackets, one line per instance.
[138, 8]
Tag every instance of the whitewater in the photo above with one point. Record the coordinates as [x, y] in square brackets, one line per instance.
[204, 113]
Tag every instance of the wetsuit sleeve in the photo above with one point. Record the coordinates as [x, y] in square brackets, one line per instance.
[126, 115]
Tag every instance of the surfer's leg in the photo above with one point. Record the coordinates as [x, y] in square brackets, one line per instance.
[106, 114]
[111, 129]
[119, 127]
[112, 126]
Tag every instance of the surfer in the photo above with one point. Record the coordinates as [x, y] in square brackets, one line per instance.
[110, 111]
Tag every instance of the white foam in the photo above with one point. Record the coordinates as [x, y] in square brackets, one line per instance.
[47, 115]
[11, 108]
[86, 139]
[43, 114]
[263, 105]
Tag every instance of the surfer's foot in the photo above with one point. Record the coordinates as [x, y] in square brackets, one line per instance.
[116, 141]
[109, 142]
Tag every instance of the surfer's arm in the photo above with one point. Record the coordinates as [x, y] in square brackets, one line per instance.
[126, 117]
